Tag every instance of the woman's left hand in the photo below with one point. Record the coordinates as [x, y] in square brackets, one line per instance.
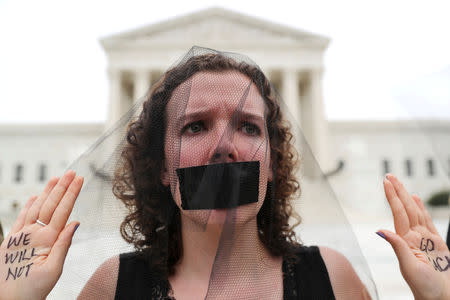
[423, 255]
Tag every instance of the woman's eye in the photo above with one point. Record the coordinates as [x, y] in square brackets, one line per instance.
[194, 127]
[250, 129]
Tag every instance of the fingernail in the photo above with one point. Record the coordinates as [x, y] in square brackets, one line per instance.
[76, 227]
[381, 234]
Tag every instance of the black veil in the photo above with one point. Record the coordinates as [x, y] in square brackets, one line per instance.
[243, 150]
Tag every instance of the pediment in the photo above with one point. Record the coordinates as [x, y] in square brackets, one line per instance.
[214, 25]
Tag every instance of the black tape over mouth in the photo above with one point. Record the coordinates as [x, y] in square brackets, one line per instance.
[219, 186]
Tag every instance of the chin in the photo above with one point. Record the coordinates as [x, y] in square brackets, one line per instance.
[199, 220]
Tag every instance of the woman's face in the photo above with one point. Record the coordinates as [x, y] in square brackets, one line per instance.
[216, 117]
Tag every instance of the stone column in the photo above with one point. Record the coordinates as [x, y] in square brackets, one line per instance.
[291, 95]
[290, 92]
[142, 80]
[320, 123]
[115, 92]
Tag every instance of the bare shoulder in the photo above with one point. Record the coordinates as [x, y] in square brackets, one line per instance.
[102, 284]
[344, 280]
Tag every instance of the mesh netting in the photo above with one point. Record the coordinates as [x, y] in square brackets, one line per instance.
[205, 169]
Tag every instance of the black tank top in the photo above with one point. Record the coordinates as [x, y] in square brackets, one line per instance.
[307, 278]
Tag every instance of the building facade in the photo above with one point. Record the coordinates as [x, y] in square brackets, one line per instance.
[31, 154]
[355, 155]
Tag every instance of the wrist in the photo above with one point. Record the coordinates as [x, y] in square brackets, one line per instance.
[444, 296]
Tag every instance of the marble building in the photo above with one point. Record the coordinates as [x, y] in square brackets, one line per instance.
[293, 60]
[355, 154]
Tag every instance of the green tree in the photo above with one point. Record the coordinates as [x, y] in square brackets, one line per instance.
[439, 199]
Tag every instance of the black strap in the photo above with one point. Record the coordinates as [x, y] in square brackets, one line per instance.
[136, 281]
[307, 278]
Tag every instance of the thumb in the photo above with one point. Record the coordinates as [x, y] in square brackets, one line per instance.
[405, 256]
[59, 250]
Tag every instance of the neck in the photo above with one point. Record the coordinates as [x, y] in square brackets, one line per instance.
[221, 244]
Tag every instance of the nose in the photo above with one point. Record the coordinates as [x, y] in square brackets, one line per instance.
[225, 151]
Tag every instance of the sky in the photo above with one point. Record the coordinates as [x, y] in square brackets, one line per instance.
[386, 59]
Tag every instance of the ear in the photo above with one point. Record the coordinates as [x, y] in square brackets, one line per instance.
[165, 175]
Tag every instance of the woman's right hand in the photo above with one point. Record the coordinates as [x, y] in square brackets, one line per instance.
[32, 255]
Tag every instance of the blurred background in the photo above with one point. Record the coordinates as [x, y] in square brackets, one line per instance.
[368, 84]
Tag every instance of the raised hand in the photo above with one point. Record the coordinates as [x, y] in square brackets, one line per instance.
[423, 255]
[32, 255]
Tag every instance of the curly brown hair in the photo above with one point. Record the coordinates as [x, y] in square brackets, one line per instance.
[153, 224]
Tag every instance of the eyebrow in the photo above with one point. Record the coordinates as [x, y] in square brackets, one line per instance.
[191, 116]
[251, 117]
[202, 113]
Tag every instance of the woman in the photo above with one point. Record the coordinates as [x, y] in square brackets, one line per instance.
[211, 115]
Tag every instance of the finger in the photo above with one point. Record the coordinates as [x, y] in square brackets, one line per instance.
[55, 197]
[404, 196]
[59, 250]
[401, 221]
[33, 212]
[405, 256]
[420, 212]
[64, 209]
[20, 221]
[428, 221]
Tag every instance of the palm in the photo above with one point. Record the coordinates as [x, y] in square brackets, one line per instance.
[422, 253]
[32, 254]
